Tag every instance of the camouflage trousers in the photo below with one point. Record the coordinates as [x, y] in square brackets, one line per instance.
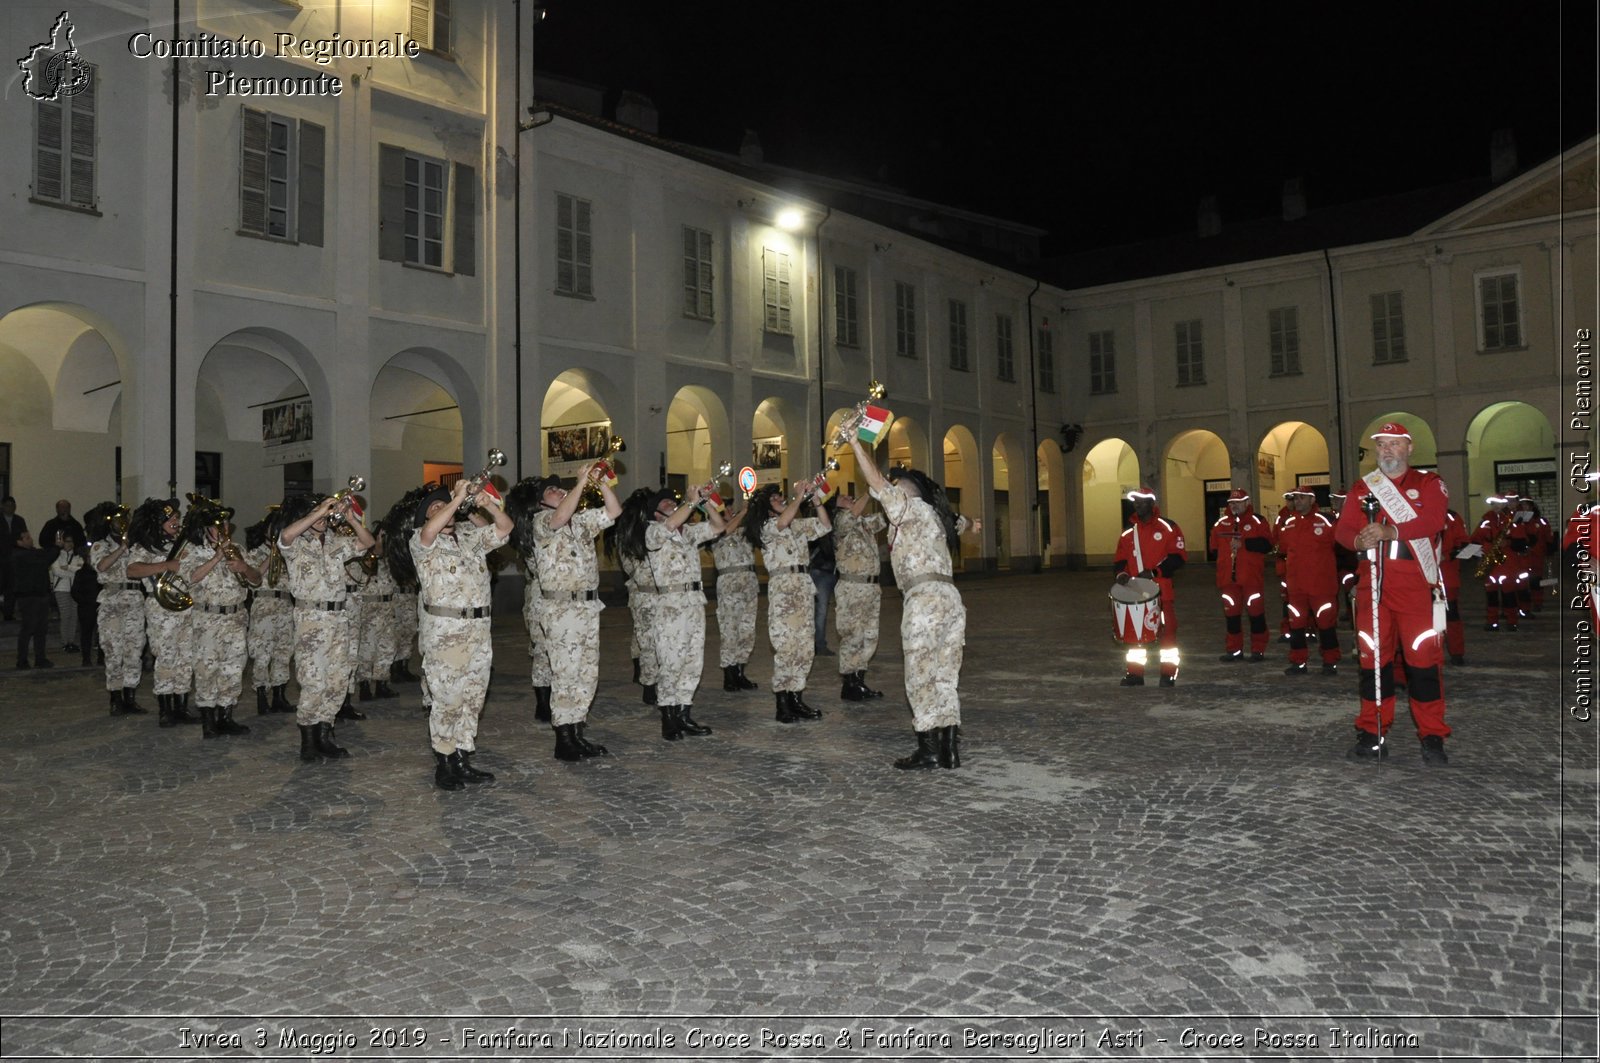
[122, 637]
[791, 628]
[538, 656]
[322, 662]
[679, 625]
[376, 639]
[933, 635]
[643, 607]
[405, 625]
[220, 641]
[171, 637]
[271, 641]
[736, 617]
[572, 637]
[456, 659]
[855, 614]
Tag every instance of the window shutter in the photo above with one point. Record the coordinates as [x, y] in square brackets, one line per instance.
[441, 26]
[81, 144]
[466, 250]
[47, 153]
[391, 203]
[583, 248]
[769, 284]
[310, 184]
[421, 29]
[253, 171]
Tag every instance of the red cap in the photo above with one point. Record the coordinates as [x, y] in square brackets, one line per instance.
[1141, 492]
[1299, 491]
[1238, 494]
[1392, 430]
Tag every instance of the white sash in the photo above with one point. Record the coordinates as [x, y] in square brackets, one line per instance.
[1400, 511]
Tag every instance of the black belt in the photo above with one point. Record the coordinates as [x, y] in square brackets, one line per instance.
[262, 592]
[222, 610]
[782, 569]
[126, 585]
[568, 596]
[735, 568]
[672, 588]
[845, 577]
[926, 577]
[380, 597]
[320, 607]
[474, 613]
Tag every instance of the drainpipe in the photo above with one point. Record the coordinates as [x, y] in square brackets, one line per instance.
[516, 247]
[172, 279]
[822, 338]
[1338, 368]
[1033, 421]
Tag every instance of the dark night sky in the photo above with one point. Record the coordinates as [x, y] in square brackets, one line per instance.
[1102, 122]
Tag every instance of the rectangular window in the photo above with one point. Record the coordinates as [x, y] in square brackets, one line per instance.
[1499, 317]
[697, 273]
[280, 177]
[1004, 357]
[846, 311]
[905, 319]
[430, 25]
[776, 295]
[1283, 336]
[1388, 328]
[959, 347]
[425, 181]
[1047, 361]
[420, 200]
[1191, 354]
[64, 146]
[1102, 363]
[574, 246]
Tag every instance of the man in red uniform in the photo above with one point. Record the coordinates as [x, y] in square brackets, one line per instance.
[1306, 543]
[1539, 539]
[1152, 548]
[1504, 543]
[1241, 540]
[1456, 539]
[1401, 544]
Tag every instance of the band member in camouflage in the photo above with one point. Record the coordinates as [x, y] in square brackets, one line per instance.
[219, 581]
[641, 594]
[374, 621]
[154, 528]
[857, 595]
[271, 638]
[121, 609]
[522, 504]
[738, 590]
[783, 537]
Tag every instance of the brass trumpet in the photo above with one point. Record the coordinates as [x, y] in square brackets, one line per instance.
[344, 500]
[818, 484]
[713, 499]
[851, 422]
[497, 458]
[601, 472]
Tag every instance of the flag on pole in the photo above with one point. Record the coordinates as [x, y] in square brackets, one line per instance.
[874, 423]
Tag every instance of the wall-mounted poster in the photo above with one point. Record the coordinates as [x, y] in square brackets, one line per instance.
[286, 432]
[766, 455]
[569, 446]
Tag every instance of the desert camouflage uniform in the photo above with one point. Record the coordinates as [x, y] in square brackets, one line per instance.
[121, 618]
[171, 633]
[791, 599]
[568, 568]
[737, 592]
[221, 630]
[375, 625]
[857, 594]
[538, 656]
[642, 610]
[457, 652]
[679, 623]
[405, 614]
[933, 622]
[271, 640]
[322, 653]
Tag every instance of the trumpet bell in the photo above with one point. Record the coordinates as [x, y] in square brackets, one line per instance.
[358, 484]
[497, 457]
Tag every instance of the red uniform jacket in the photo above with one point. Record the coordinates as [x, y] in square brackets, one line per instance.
[1455, 537]
[1160, 548]
[1428, 497]
[1241, 545]
[1306, 541]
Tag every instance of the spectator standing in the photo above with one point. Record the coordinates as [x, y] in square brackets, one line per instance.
[30, 589]
[11, 527]
[64, 567]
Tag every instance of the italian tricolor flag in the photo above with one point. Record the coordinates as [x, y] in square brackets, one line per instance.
[874, 423]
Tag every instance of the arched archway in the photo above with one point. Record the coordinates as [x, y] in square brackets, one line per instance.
[1110, 470]
[1511, 446]
[1195, 482]
[774, 419]
[1292, 454]
[576, 424]
[1051, 523]
[908, 445]
[962, 480]
[1010, 520]
[698, 437]
[418, 426]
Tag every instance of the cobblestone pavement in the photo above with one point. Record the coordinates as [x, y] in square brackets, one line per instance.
[1133, 872]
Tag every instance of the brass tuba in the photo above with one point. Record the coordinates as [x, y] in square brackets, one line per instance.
[172, 589]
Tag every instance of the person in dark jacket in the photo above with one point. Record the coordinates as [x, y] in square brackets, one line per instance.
[30, 591]
[11, 526]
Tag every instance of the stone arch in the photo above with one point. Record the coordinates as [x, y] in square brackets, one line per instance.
[908, 445]
[425, 411]
[1193, 459]
[699, 436]
[1511, 446]
[576, 399]
[963, 481]
[1110, 471]
[1291, 454]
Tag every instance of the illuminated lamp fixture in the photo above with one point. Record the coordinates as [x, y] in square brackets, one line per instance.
[790, 219]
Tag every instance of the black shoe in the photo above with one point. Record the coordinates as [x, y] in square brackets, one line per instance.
[325, 743]
[1367, 746]
[381, 689]
[280, 698]
[687, 721]
[950, 747]
[180, 709]
[43, 662]
[445, 776]
[861, 683]
[348, 711]
[461, 760]
[1330, 669]
[567, 743]
[22, 664]
[308, 743]
[801, 709]
[364, 693]
[130, 704]
[585, 747]
[541, 704]
[730, 678]
[823, 651]
[851, 688]
[636, 670]
[116, 703]
[1509, 627]
[263, 703]
[1257, 658]
[402, 672]
[926, 755]
[208, 722]
[1458, 659]
[164, 711]
[227, 725]
[745, 682]
[1433, 750]
[1232, 658]
[786, 707]
[1491, 627]
[1131, 680]
[1296, 669]
[649, 693]
[671, 725]
[1169, 680]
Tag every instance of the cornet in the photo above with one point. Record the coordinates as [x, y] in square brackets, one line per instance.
[851, 423]
[602, 469]
[818, 485]
[344, 501]
[713, 499]
[497, 458]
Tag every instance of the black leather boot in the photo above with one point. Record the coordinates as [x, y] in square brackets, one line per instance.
[586, 747]
[381, 689]
[636, 669]
[445, 776]
[348, 711]
[226, 724]
[949, 747]
[745, 682]
[208, 722]
[786, 707]
[688, 724]
[567, 742]
[180, 709]
[649, 694]
[116, 703]
[280, 698]
[130, 704]
[730, 677]
[866, 691]
[671, 725]
[803, 710]
[461, 759]
[927, 754]
[403, 673]
[326, 745]
[852, 690]
[541, 704]
[364, 692]
[308, 743]
[263, 705]
[164, 710]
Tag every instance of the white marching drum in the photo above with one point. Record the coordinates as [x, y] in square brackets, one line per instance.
[1135, 610]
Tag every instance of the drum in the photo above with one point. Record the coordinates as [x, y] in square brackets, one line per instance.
[1135, 611]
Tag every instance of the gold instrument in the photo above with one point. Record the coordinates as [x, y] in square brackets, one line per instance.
[818, 484]
[602, 472]
[277, 568]
[172, 589]
[1496, 552]
[119, 524]
[344, 500]
[230, 552]
[497, 458]
[851, 422]
[369, 560]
